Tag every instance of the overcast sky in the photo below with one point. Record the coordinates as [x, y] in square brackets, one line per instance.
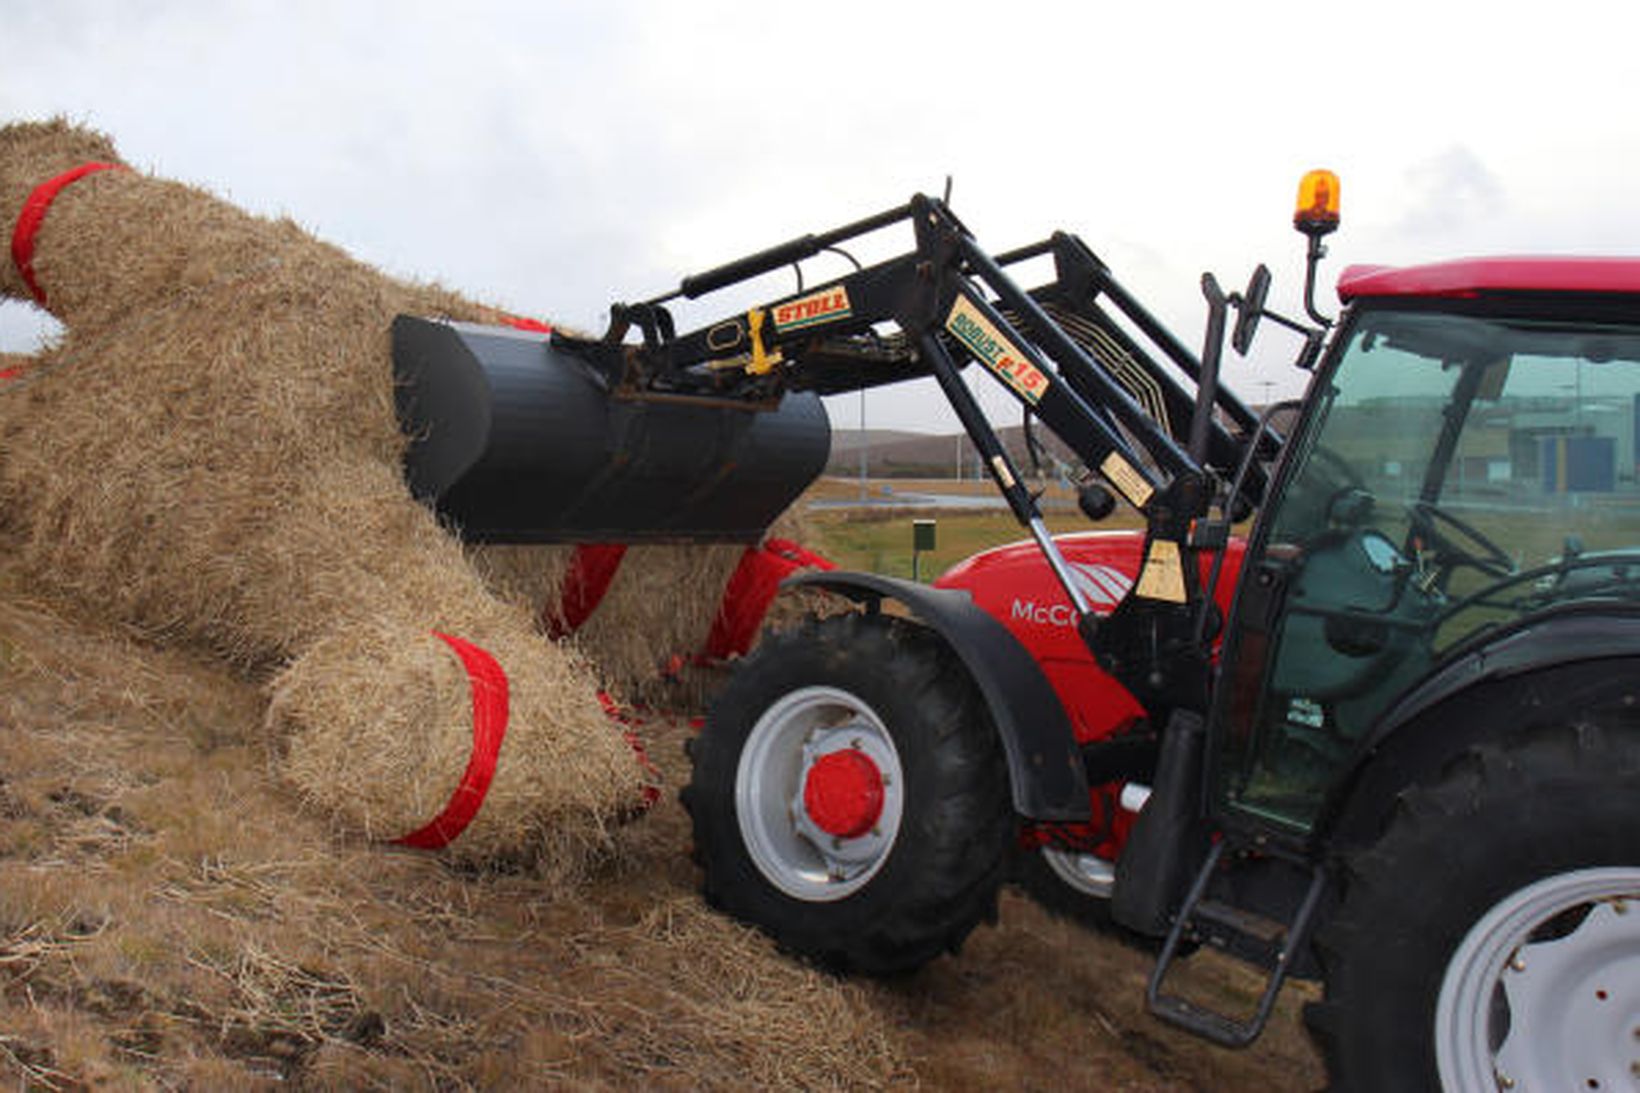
[555, 157]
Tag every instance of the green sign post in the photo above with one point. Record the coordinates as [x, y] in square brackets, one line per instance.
[922, 538]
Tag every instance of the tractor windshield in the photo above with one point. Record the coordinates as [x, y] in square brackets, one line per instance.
[1457, 475]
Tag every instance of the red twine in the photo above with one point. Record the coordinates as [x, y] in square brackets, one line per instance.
[591, 570]
[651, 791]
[750, 591]
[34, 214]
[489, 690]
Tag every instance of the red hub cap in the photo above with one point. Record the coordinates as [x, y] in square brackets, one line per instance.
[843, 793]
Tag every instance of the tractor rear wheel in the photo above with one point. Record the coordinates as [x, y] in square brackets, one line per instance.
[850, 795]
[1491, 938]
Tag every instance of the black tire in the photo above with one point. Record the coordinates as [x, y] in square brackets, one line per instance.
[928, 871]
[1439, 966]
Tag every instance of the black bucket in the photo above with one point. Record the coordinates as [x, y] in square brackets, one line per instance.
[514, 442]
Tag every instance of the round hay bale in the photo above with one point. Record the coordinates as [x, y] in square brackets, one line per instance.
[211, 452]
[633, 643]
[532, 577]
[376, 727]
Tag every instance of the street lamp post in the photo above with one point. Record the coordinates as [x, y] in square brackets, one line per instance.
[862, 443]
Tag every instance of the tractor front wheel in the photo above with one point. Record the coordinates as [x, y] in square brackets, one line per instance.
[850, 795]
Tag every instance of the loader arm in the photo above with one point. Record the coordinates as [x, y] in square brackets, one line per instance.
[935, 310]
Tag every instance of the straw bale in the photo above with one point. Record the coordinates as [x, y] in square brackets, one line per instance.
[632, 641]
[345, 708]
[210, 452]
[529, 576]
[644, 634]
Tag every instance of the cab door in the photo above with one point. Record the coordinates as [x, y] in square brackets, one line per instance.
[1458, 474]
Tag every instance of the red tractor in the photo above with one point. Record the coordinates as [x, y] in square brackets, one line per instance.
[1387, 738]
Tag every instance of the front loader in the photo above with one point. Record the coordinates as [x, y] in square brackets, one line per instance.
[1385, 735]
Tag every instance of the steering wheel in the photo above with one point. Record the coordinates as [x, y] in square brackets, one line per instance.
[1487, 556]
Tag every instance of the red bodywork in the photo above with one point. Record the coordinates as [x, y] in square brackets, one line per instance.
[1470, 277]
[1014, 585]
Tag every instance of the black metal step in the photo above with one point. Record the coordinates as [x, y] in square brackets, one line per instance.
[1251, 936]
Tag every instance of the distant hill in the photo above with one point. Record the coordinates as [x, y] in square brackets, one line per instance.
[850, 440]
[893, 453]
[896, 454]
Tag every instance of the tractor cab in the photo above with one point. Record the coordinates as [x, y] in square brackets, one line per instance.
[1465, 470]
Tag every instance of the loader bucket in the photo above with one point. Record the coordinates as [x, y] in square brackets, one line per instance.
[515, 442]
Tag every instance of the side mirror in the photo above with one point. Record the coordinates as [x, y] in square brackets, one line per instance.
[1250, 309]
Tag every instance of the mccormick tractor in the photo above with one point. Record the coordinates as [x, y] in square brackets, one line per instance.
[1360, 703]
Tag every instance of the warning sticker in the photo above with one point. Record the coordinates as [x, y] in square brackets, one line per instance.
[986, 343]
[1163, 575]
[1126, 477]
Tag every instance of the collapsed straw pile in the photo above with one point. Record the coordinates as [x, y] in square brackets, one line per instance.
[211, 453]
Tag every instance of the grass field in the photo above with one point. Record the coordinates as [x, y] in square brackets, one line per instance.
[879, 539]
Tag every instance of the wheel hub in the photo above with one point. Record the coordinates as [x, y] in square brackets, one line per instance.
[1578, 997]
[1544, 991]
[819, 794]
[843, 793]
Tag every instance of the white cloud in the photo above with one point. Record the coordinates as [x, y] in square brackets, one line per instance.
[557, 156]
[1449, 194]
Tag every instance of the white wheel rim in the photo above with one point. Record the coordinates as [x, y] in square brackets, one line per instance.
[1529, 1002]
[1088, 874]
[791, 851]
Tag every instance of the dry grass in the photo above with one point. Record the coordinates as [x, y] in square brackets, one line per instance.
[170, 918]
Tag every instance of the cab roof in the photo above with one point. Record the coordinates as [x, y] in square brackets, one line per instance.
[1470, 277]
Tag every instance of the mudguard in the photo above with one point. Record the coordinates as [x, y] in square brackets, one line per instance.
[1044, 764]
